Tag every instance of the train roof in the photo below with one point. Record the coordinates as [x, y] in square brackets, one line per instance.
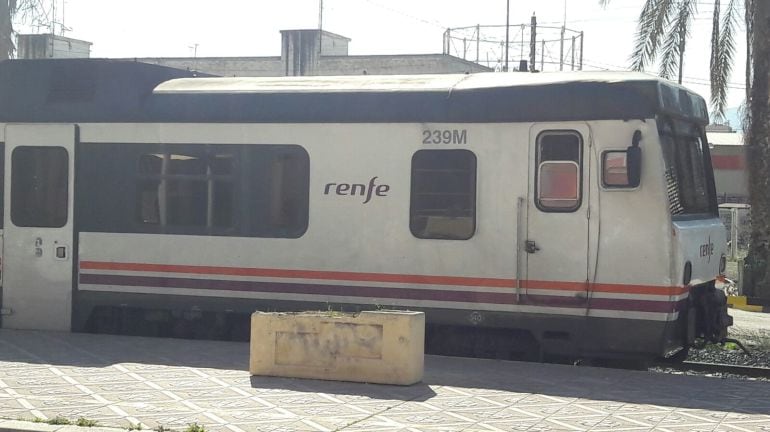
[93, 91]
[391, 83]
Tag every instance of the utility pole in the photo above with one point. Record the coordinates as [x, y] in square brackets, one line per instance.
[582, 35]
[532, 43]
[507, 31]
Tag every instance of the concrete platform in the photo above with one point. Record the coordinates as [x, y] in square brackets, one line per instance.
[123, 381]
[749, 323]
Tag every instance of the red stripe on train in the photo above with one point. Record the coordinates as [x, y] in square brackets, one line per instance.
[382, 277]
[373, 292]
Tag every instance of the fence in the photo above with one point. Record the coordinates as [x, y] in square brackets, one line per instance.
[737, 221]
[531, 47]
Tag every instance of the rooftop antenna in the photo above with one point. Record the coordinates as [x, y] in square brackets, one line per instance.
[320, 25]
[63, 26]
[565, 13]
[561, 43]
[507, 31]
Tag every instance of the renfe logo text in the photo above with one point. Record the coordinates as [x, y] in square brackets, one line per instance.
[357, 189]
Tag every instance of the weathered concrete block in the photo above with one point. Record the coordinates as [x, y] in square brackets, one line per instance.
[385, 347]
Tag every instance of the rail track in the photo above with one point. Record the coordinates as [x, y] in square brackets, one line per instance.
[715, 369]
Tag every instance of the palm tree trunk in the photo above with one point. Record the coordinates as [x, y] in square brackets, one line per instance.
[749, 22]
[758, 154]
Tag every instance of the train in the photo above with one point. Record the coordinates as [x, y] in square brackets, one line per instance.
[527, 214]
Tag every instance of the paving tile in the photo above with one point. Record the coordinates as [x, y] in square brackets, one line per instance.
[123, 380]
[756, 426]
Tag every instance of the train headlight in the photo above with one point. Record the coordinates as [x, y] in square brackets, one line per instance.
[722, 264]
[687, 274]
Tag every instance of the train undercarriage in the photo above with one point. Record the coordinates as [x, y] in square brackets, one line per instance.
[509, 336]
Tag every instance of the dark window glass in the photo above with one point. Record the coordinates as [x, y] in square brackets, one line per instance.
[39, 187]
[2, 184]
[257, 191]
[186, 186]
[684, 155]
[443, 196]
[278, 191]
[558, 171]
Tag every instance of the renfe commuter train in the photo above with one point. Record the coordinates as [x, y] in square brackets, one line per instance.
[562, 214]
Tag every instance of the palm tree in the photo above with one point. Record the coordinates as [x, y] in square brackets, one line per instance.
[758, 148]
[8, 10]
[662, 32]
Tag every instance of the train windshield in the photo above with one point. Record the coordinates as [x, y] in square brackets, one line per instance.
[689, 180]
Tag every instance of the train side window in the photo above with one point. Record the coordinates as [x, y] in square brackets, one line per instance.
[559, 171]
[2, 184]
[39, 186]
[190, 187]
[443, 194]
[615, 169]
[278, 186]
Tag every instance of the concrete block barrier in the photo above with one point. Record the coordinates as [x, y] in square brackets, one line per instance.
[742, 303]
[384, 347]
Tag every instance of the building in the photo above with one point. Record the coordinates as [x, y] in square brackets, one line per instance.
[317, 52]
[43, 46]
[728, 156]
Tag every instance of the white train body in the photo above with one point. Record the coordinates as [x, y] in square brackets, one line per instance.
[529, 222]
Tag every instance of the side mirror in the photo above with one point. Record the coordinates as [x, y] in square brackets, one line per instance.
[634, 161]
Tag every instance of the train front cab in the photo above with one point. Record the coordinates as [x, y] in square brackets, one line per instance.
[659, 234]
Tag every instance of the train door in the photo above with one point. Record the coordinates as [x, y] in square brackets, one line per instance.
[556, 243]
[38, 234]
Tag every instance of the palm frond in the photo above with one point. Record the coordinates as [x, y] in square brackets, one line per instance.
[715, 21]
[676, 37]
[653, 23]
[725, 54]
[604, 3]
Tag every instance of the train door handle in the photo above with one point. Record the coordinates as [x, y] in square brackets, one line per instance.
[530, 246]
[61, 252]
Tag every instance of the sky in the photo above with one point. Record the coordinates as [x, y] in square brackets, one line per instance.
[182, 28]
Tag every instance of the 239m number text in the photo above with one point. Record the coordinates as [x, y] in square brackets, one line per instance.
[445, 136]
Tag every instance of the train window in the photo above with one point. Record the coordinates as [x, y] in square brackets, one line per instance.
[614, 169]
[2, 182]
[39, 187]
[232, 190]
[685, 153]
[278, 190]
[443, 194]
[558, 171]
[192, 188]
